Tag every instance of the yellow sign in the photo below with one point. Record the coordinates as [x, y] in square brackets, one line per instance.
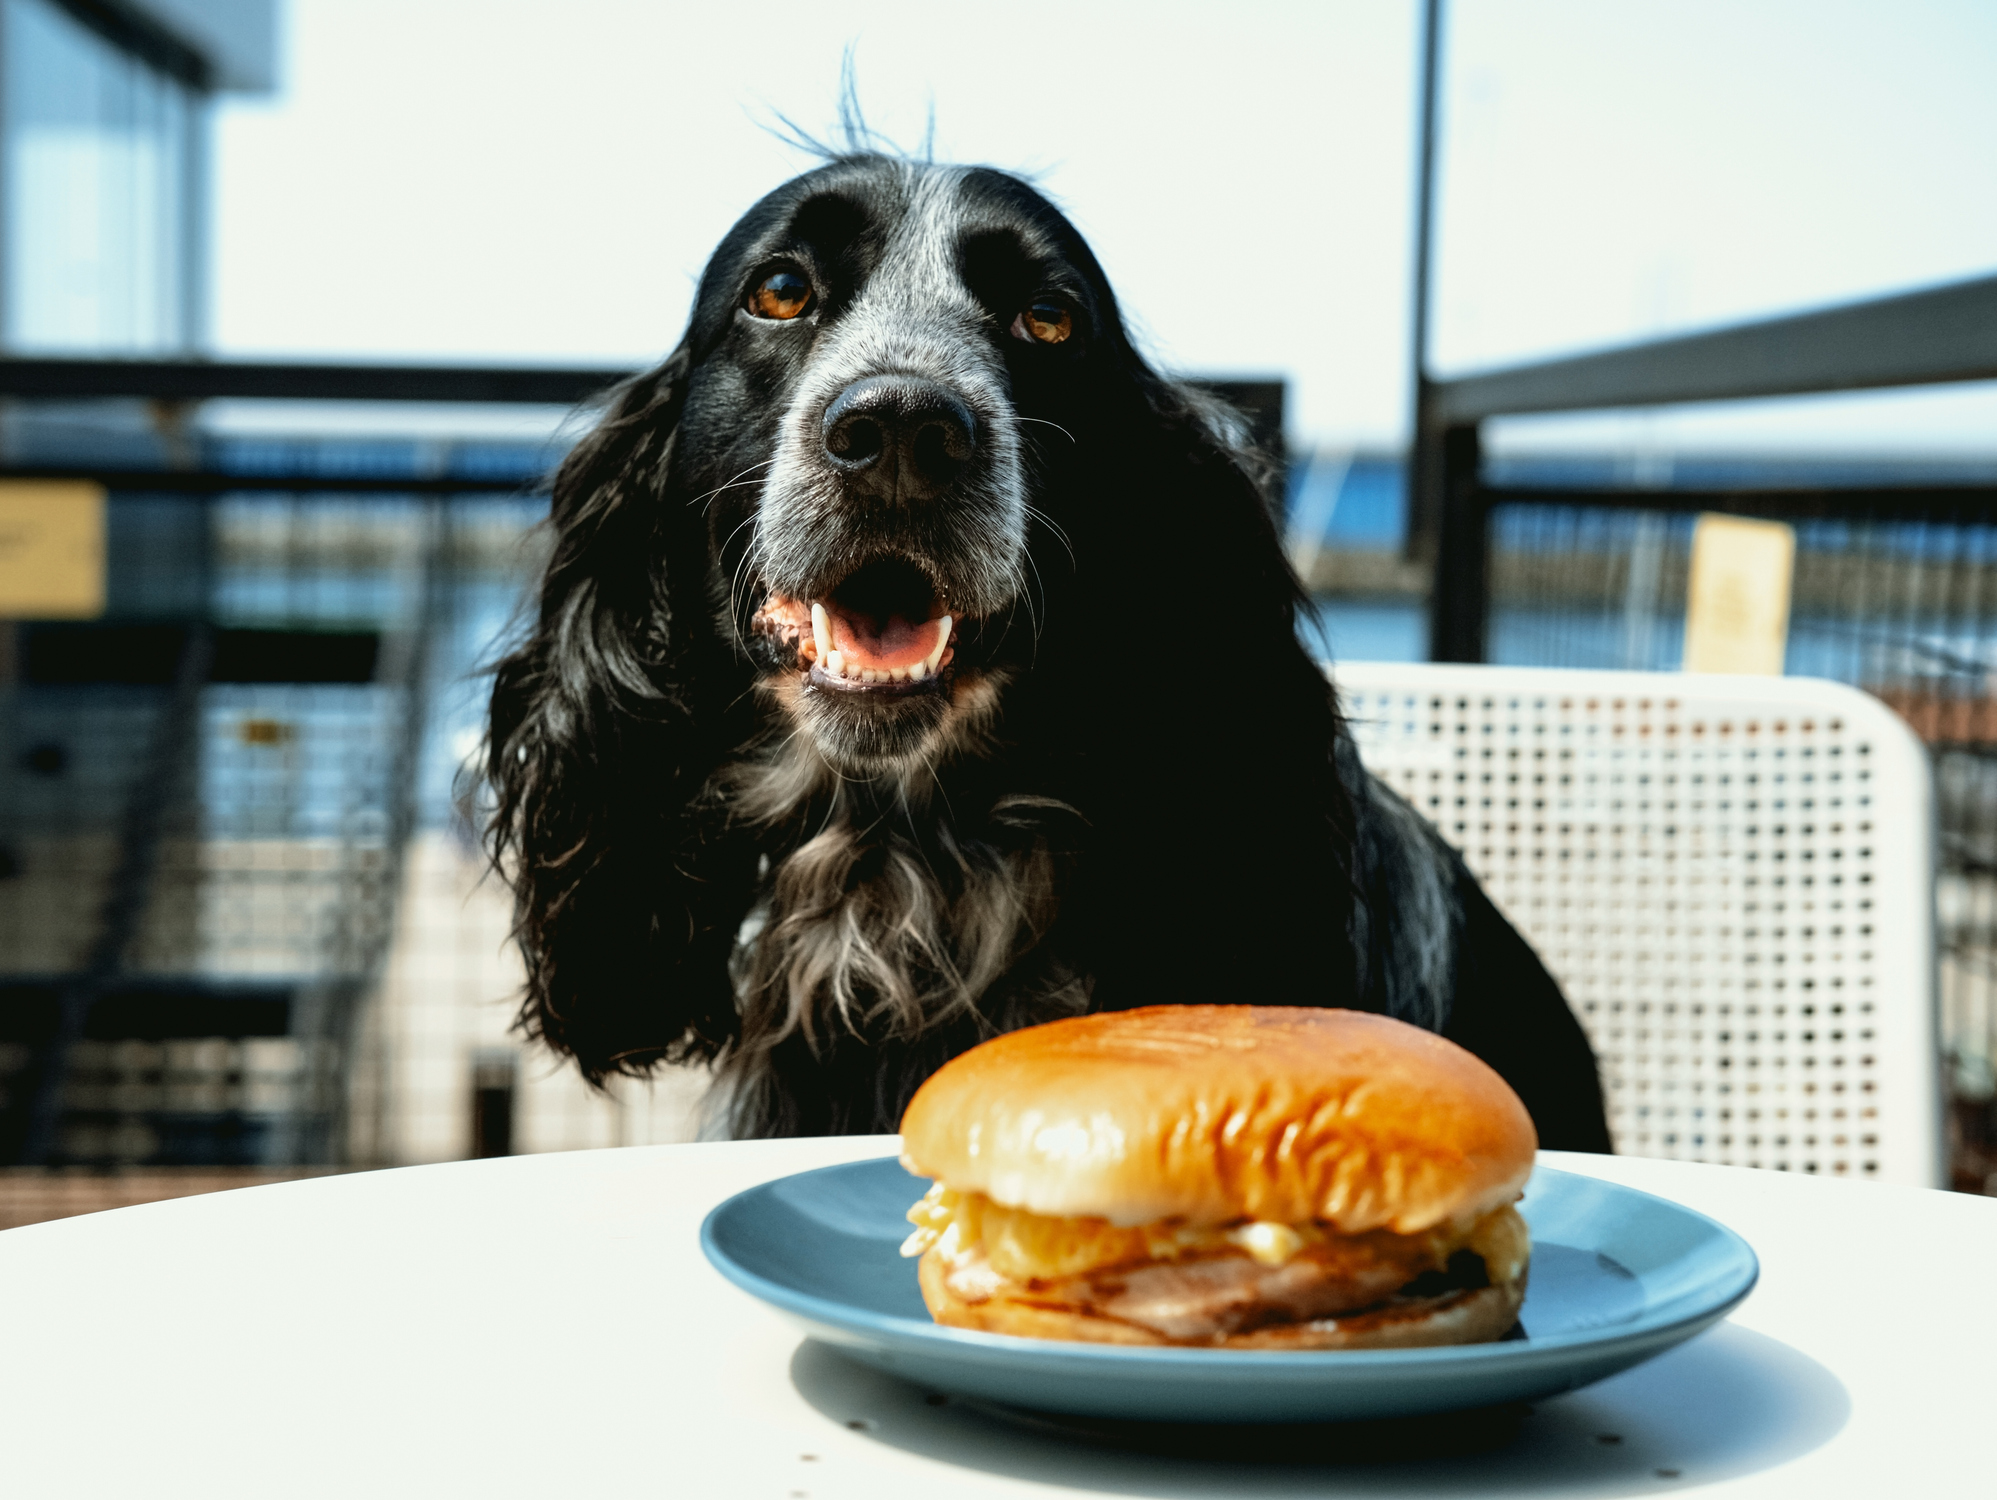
[1737, 601]
[51, 550]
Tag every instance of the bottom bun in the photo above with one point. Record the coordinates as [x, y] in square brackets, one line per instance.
[1475, 1317]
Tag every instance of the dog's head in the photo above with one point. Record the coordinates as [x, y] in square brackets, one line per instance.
[872, 348]
[907, 480]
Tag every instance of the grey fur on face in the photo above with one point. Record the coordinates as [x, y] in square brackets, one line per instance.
[914, 317]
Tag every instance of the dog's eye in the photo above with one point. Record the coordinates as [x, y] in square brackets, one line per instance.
[782, 296]
[1044, 323]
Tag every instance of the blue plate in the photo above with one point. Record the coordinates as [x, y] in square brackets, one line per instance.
[1617, 1276]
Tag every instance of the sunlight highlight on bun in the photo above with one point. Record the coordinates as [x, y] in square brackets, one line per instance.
[1212, 1113]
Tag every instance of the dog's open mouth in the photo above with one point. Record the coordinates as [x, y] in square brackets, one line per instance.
[883, 630]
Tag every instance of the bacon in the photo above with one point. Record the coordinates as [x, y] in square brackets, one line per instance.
[1204, 1297]
[1200, 1297]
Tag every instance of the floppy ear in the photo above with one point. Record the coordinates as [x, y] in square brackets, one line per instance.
[605, 725]
[1224, 863]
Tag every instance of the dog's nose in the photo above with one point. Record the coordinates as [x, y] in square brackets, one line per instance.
[899, 436]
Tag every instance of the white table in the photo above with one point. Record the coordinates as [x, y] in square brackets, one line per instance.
[546, 1326]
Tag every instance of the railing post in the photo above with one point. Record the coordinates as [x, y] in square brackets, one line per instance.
[1424, 508]
[1459, 597]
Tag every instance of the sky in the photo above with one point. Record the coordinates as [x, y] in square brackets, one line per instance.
[540, 181]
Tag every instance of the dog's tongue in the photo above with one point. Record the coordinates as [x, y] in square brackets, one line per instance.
[882, 645]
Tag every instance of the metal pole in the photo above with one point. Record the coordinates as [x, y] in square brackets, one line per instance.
[1459, 595]
[1424, 457]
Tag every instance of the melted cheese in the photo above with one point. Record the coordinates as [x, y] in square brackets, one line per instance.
[1504, 1241]
[1027, 1247]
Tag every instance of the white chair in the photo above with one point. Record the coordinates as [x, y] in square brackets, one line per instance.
[1731, 877]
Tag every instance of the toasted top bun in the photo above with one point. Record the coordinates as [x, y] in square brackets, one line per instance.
[1211, 1113]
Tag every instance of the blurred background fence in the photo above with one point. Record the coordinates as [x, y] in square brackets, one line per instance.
[242, 922]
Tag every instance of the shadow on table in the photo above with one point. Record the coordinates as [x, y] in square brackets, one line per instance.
[1729, 1403]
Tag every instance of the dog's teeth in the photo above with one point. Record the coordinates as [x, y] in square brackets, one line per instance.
[935, 657]
[834, 664]
[870, 675]
[919, 671]
[898, 674]
[821, 631]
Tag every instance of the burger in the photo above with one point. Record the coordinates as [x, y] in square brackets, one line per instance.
[1236, 1177]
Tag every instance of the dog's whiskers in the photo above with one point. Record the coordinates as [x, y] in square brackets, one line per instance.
[1038, 624]
[707, 499]
[746, 521]
[1060, 534]
[735, 583]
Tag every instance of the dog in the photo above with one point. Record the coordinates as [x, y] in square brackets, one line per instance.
[913, 663]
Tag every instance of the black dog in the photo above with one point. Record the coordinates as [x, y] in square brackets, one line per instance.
[914, 663]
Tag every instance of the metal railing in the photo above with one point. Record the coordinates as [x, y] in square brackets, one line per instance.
[244, 861]
[1944, 335]
[207, 380]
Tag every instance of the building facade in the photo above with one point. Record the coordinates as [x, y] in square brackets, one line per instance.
[104, 116]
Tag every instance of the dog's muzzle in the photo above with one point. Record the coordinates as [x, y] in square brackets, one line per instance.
[882, 621]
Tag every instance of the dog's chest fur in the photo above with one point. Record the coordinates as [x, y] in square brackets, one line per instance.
[893, 926]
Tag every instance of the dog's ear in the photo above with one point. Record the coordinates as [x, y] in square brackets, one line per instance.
[605, 724]
[1212, 709]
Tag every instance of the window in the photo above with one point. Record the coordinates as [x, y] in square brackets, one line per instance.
[101, 181]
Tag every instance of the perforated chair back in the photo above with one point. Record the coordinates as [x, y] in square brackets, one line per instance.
[1731, 877]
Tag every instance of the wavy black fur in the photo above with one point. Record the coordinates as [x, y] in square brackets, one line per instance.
[1141, 791]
